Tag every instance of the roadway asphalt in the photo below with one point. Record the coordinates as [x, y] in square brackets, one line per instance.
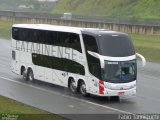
[59, 100]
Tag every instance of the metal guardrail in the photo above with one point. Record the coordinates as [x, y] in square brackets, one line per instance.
[95, 19]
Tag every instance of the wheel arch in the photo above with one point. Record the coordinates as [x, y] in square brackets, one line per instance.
[29, 68]
[22, 68]
[25, 67]
[69, 80]
[79, 83]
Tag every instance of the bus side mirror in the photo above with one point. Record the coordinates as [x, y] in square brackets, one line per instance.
[142, 58]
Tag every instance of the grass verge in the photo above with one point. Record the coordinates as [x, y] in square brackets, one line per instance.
[18, 111]
[5, 29]
[147, 45]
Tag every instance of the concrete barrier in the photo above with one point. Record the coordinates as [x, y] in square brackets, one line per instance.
[22, 17]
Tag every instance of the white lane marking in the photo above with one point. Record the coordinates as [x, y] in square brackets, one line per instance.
[52, 92]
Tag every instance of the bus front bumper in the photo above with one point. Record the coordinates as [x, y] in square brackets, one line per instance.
[109, 92]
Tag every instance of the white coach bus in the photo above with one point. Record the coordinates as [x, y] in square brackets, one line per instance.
[94, 61]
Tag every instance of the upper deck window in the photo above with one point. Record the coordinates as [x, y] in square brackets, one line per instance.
[57, 38]
[90, 43]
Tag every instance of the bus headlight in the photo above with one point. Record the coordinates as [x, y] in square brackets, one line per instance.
[133, 86]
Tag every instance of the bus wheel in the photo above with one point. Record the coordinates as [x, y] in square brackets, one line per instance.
[30, 75]
[83, 89]
[24, 73]
[72, 85]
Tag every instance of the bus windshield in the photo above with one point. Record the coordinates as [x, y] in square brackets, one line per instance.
[118, 45]
[120, 72]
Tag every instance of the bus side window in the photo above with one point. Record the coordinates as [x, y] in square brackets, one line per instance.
[75, 42]
[31, 35]
[90, 43]
[47, 37]
[72, 40]
[13, 55]
[34, 37]
[93, 62]
[21, 34]
[61, 38]
[40, 36]
[51, 37]
[15, 34]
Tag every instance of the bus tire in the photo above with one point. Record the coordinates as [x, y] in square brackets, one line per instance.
[24, 74]
[72, 85]
[30, 75]
[82, 89]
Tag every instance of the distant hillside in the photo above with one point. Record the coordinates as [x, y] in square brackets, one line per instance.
[27, 5]
[118, 9]
[122, 9]
[14, 4]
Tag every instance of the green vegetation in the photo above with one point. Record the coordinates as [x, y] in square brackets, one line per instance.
[5, 29]
[147, 45]
[24, 112]
[13, 107]
[118, 9]
[13, 5]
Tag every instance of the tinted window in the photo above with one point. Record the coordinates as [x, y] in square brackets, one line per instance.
[94, 66]
[116, 45]
[23, 34]
[45, 37]
[58, 63]
[65, 39]
[13, 55]
[93, 63]
[90, 43]
[15, 34]
[70, 40]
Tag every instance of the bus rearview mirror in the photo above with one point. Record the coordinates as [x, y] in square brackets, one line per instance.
[142, 58]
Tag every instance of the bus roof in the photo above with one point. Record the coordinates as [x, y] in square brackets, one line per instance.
[50, 27]
[78, 30]
[100, 32]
